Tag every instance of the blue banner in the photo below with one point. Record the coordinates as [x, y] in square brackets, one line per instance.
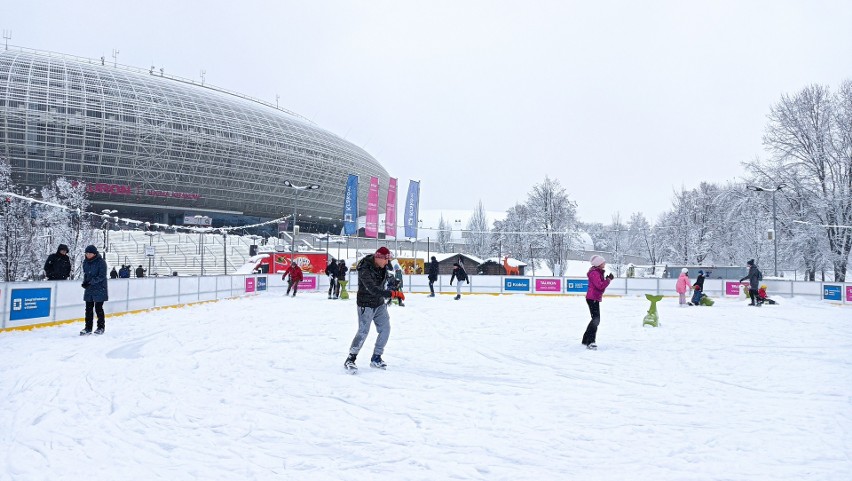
[30, 304]
[516, 284]
[831, 293]
[261, 283]
[350, 206]
[576, 285]
[412, 209]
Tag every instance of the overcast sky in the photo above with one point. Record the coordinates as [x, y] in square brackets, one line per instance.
[623, 102]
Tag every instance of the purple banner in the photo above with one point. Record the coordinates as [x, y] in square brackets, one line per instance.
[848, 293]
[249, 284]
[308, 283]
[371, 228]
[390, 210]
[732, 288]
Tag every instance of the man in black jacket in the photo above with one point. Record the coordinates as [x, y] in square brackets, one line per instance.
[754, 277]
[333, 286]
[58, 265]
[372, 274]
[432, 273]
[460, 275]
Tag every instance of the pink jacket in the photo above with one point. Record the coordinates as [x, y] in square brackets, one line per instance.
[597, 284]
[682, 284]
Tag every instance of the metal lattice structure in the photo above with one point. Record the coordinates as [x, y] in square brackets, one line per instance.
[146, 139]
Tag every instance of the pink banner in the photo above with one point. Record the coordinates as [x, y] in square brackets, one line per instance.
[371, 228]
[308, 283]
[390, 210]
[848, 293]
[732, 288]
[548, 285]
[249, 284]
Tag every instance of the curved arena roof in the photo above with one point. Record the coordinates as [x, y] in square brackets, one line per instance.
[150, 140]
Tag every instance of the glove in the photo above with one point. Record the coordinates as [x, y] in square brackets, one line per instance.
[610, 277]
[397, 295]
[85, 285]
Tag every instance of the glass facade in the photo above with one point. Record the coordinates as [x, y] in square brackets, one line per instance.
[137, 138]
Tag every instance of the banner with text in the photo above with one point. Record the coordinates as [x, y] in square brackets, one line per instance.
[390, 210]
[371, 227]
[350, 206]
[412, 209]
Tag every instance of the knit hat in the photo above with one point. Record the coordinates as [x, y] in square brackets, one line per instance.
[750, 262]
[684, 270]
[90, 249]
[383, 253]
[701, 272]
[597, 260]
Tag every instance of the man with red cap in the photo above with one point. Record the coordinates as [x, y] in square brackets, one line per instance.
[372, 274]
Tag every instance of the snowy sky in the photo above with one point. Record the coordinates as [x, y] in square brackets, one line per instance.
[621, 101]
[254, 388]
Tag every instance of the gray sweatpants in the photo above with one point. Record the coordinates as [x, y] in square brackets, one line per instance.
[378, 315]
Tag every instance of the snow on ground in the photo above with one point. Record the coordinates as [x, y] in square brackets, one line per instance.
[486, 388]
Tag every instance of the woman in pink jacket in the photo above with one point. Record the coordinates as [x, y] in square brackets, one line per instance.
[683, 285]
[594, 295]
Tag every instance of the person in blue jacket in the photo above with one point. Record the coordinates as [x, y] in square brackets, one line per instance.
[95, 284]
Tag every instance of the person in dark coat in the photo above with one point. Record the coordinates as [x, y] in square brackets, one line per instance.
[341, 273]
[124, 272]
[113, 274]
[461, 275]
[333, 286]
[372, 275]
[95, 285]
[432, 273]
[754, 277]
[58, 265]
[698, 288]
[140, 272]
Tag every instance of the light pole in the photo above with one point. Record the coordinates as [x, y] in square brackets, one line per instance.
[774, 216]
[148, 254]
[107, 213]
[299, 188]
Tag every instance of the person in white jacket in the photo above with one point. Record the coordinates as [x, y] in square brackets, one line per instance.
[683, 285]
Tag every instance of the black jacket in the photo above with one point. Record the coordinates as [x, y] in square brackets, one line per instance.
[331, 269]
[341, 272]
[58, 266]
[371, 278]
[699, 282]
[433, 270]
[140, 272]
[458, 273]
[754, 277]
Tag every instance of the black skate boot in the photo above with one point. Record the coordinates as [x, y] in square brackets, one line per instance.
[376, 361]
[99, 331]
[349, 365]
[86, 332]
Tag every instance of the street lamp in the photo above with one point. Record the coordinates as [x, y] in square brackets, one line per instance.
[105, 225]
[774, 216]
[149, 254]
[298, 188]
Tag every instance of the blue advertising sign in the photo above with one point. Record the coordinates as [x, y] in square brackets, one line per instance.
[30, 303]
[412, 209]
[350, 206]
[831, 293]
[515, 284]
[261, 283]
[576, 285]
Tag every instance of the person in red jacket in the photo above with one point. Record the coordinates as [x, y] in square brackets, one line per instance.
[295, 273]
[594, 295]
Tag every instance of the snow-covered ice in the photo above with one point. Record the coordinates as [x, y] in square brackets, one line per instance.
[489, 387]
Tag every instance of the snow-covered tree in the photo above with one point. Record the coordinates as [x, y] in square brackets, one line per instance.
[444, 235]
[478, 236]
[554, 217]
[68, 226]
[511, 235]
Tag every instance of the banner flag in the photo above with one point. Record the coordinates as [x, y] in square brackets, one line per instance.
[350, 206]
[390, 210]
[371, 228]
[412, 209]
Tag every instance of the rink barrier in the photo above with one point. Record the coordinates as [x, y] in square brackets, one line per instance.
[35, 304]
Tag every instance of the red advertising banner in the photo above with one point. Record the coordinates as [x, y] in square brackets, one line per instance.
[371, 228]
[310, 263]
[390, 210]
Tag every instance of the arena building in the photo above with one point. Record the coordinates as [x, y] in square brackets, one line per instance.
[158, 147]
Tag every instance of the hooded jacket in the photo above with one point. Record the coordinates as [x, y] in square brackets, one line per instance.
[58, 266]
[682, 283]
[597, 284]
[371, 278]
[754, 277]
[433, 270]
